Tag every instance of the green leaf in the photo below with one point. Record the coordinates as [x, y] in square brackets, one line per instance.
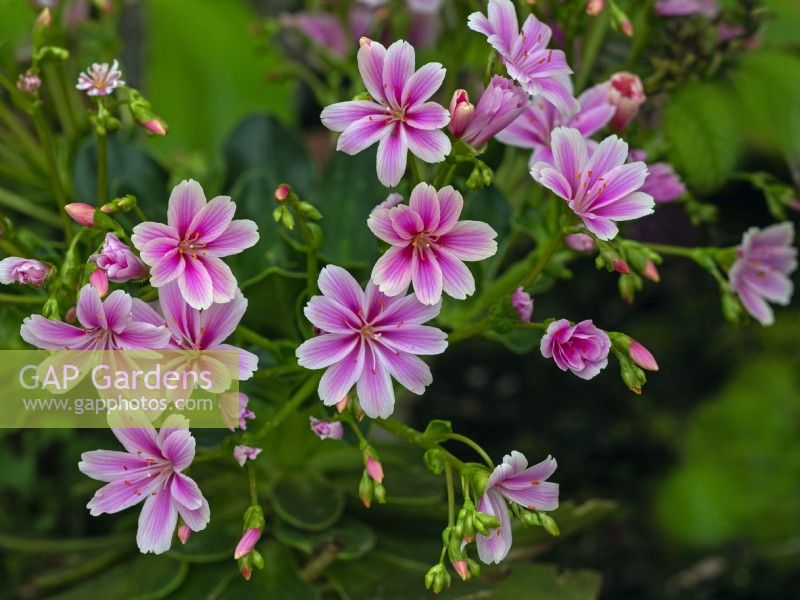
[702, 135]
[438, 428]
[351, 538]
[307, 501]
[549, 582]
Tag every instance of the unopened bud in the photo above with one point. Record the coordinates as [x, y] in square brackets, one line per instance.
[462, 568]
[155, 126]
[184, 533]
[44, 19]
[247, 542]
[462, 112]
[258, 560]
[341, 405]
[627, 27]
[366, 490]
[642, 356]
[71, 316]
[282, 192]
[620, 266]
[81, 213]
[651, 271]
[364, 41]
[379, 492]
[549, 524]
[99, 281]
[595, 7]
[374, 468]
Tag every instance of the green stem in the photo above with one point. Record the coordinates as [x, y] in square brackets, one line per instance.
[412, 164]
[292, 404]
[55, 176]
[67, 96]
[139, 214]
[446, 174]
[21, 299]
[102, 169]
[251, 478]
[417, 438]
[208, 456]
[673, 250]
[469, 331]
[533, 325]
[257, 339]
[540, 265]
[457, 437]
[451, 496]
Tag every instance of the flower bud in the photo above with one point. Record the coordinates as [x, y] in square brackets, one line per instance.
[530, 518]
[99, 281]
[620, 266]
[29, 82]
[549, 524]
[626, 94]
[72, 315]
[341, 405]
[462, 568]
[626, 26]
[632, 376]
[374, 468]
[282, 192]
[366, 490]
[26, 271]
[379, 492]
[651, 271]
[258, 560]
[245, 567]
[184, 533]
[642, 356]
[44, 18]
[628, 284]
[580, 242]
[247, 542]
[155, 126]
[462, 112]
[474, 568]
[595, 7]
[523, 304]
[364, 41]
[81, 213]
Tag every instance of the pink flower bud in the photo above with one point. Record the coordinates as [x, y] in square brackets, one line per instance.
[99, 281]
[627, 27]
[282, 192]
[375, 469]
[155, 126]
[28, 82]
[523, 304]
[620, 266]
[580, 242]
[72, 315]
[26, 271]
[341, 405]
[44, 19]
[651, 272]
[642, 356]
[246, 572]
[81, 213]
[118, 261]
[595, 7]
[626, 93]
[461, 113]
[462, 568]
[184, 533]
[247, 543]
[327, 430]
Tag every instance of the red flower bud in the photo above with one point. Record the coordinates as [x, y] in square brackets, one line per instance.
[81, 213]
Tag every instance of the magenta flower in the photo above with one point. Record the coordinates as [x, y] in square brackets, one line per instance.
[368, 338]
[327, 430]
[523, 304]
[764, 261]
[118, 261]
[499, 105]
[244, 453]
[532, 129]
[189, 248]
[662, 182]
[26, 271]
[600, 189]
[514, 481]
[149, 470]
[429, 245]
[106, 325]
[399, 116]
[100, 79]
[680, 8]
[540, 71]
[193, 329]
[582, 348]
[626, 93]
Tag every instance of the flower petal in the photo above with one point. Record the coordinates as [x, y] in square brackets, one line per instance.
[184, 491]
[339, 285]
[398, 66]
[430, 146]
[427, 116]
[110, 465]
[414, 339]
[470, 240]
[425, 202]
[196, 285]
[157, 523]
[239, 235]
[149, 231]
[374, 388]
[89, 309]
[363, 133]
[371, 57]
[326, 349]
[423, 84]
[223, 282]
[168, 269]
[392, 271]
[451, 203]
[339, 378]
[426, 275]
[457, 281]
[494, 547]
[409, 370]
[214, 218]
[341, 115]
[392, 156]
[330, 316]
[186, 200]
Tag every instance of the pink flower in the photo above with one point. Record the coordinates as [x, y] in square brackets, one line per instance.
[679, 8]
[100, 79]
[81, 213]
[322, 28]
[245, 414]
[533, 127]
[118, 261]
[374, 469]
[580, 242]
[247, 542]
[244, 453]
[642, 356]
[523, 304]
[582, 348]
[539, 70]
[189, 248]
[367, 339]
[429, 245]
[764, 261]
[662, 182]
[399, 116]
[29, 82]
[193, 329]
[600, 189]
[626, 93]
[499, 105]
[106, 325]
[26, 271]
[327, 430]
[149, 470]
[514, 481]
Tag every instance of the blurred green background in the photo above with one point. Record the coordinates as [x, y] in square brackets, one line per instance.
[704, 465]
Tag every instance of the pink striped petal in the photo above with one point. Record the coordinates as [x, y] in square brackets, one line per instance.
[374, 389]
[423, 84]
[503, 19]
[220, 320]
[51, 335]
[451, 203]
[371, 57]
[168, 269]
[143, 336]
[415, 339]
[123, 493]
[756, 306]
[603, 227]
[470, 240]
[494, 547]
[392, 156]
[407, 223]
[184, 491]
[326, 349]
[117, 308]
[380, 223]
[554, 91]
[339, 116]
[426, 275]
[337, 284]
[430, 146]
[457, 281]
[410, 371]
[195, 285]
[542, 496]
[339, 378]
[186, 200]
[110, 465]
[89, 309]
[213, 219]
[425, 202]
[407, 311]
[239, 235]
[570, 153]
[143, 233]
[363, 133]
[223, 282]
[632, 206]
[392, 271]
[398, 66]
[610, 153]
[330, 316]
[617, 183]
[157, 249]
[196, 519]
[551, 179]
[157, 523]
[179, 447]
[427, 116]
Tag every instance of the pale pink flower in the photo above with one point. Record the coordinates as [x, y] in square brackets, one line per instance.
[532, 129]
[600, 189]
[190, 247]
[581, 348]
[368, 338]
[499, 105]
[580, 242]
[244, 453]
[105, 325]
[247, 542]
[118, 261]
[523, 304]
[680, 8]
[626, 93]
[540, 71]
[29, 82]
[327, 430]
[764, 261]
[26, 271]
[514, 481]
[399, 117]
[100, 79]
[149, 470]
[429, 245]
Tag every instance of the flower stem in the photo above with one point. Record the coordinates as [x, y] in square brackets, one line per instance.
[102, 169]
[21, 299]
[540, 265]
[291, 405]
[674, 250]
[467, 332]
[251, 477]
[417, 438]
[594, 39]
[451, 499]
[457, 437]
